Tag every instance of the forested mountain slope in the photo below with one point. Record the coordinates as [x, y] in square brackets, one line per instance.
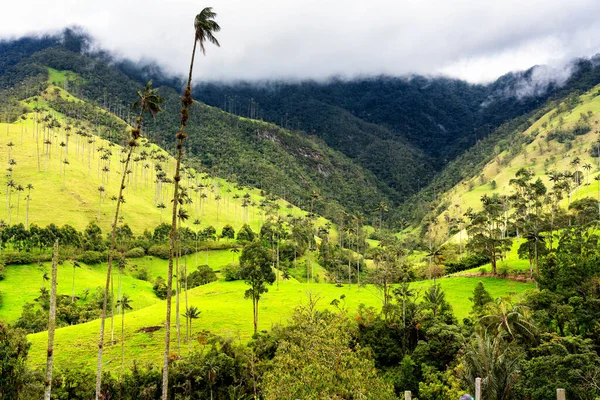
[404, 130]
[560, 145]
[295, 166]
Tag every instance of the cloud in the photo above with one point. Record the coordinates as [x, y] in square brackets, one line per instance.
[262, 39]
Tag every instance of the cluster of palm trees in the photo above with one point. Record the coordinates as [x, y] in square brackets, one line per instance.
[148, 103]
[12, 186]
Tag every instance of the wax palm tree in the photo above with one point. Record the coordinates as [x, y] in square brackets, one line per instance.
[124, 304]
[66, 163]
[148, 102]
[75, 266]
[575, 163]
[404, 292]
[204, 28]
[28, 199]
[597, 178]
[10, 145]
[218, 200]
[161, 206]
[191, 313]
[10, 185]
[381, 208]
[234, 251]
[101, 190]
[587, 168]
[182, 216]
[51, 324]
[19, 189]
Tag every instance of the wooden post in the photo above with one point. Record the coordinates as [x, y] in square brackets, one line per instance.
[407, 395]
[560, 394]
[477, 388]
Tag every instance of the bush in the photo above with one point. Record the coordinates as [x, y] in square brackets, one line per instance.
[136, 252]
[142, 274]
[231, 272]
[92, 257]
[160, 251]
[21, 258]
[160, 288]
[201, 276]
[468, 262]
[503, 269]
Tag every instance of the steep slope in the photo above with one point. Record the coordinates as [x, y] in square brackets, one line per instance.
[290, 164]
[74, 168]
[404, 130]
[564, 137]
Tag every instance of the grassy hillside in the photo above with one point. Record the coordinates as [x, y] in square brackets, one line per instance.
[548, 146]
[226, 312]
[72, 190]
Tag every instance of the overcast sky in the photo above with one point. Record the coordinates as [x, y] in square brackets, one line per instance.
[477, 40]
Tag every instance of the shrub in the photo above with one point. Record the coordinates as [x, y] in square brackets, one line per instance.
[468, 262]
[142, 274]
[160, 288]
[21, 258]
[201, 276]
[136, 252]
[91, 257]
[231, 272]
[160, 251]
[503, 269]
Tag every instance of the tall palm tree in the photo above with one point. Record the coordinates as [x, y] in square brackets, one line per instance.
[161, 206]
[218, 200]
[381, 208]
[51, 324]
[587, 168]
[597, 178]
[234, 251]
[204, 28]
[101, 190]
[28, 199]
[124, 303]
[75, 266]
[19, 189]
[10, 185]
[190, 314]
[148, 102]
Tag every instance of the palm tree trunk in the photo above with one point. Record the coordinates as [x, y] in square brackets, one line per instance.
[73, 286]
[122, 341]
[109, 270]
[177, 178]
[27, 214]
[51, 324]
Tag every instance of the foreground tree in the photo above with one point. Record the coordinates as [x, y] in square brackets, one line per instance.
[124, 303]
[148, 103]
[496, 362]
[204, 28]
[485, 230]
[255, 269]
[13, 355]
[51, 325]
[315, 361]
